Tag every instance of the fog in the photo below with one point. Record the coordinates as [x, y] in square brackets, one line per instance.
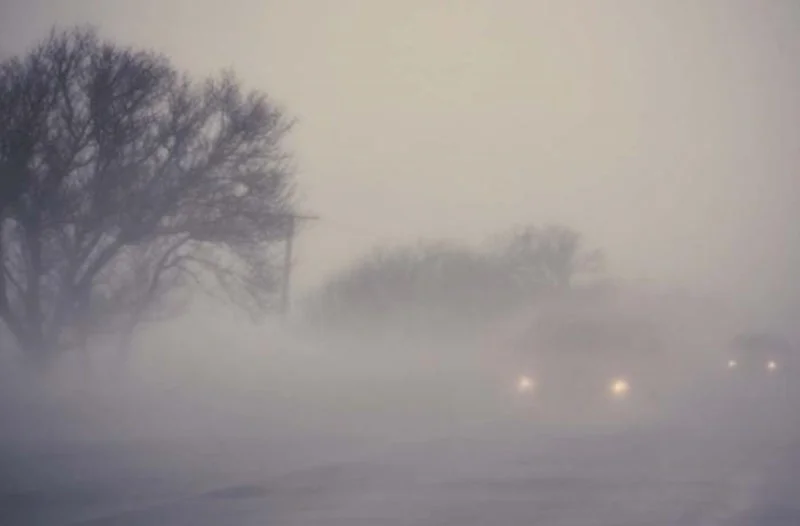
[225, 420]
[665, 134]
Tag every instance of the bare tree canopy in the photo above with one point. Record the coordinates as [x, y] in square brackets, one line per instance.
[438, 284]
[549, 257]
[122, 181]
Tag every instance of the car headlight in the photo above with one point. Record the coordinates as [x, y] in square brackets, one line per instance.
[732, 364]
[619, 388]
[771, 365]
[525, 384]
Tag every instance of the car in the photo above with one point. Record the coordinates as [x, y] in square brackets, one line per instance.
[759, 355]
[751, 377]
[583, 363]
[586, 360]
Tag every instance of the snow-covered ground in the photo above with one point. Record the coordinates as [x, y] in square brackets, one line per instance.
[499, 474]
[263, 439]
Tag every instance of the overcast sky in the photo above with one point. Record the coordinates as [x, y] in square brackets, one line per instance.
[668, 132]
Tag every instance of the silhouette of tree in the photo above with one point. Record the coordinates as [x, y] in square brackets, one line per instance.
[437, 284]
[121, 181]
[541, 258]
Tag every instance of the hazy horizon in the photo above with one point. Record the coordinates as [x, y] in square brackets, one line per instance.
[665, 132]
[436, 388]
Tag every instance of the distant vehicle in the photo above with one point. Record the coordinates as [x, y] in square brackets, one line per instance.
[587, 359]
[583, 363]
[754, 373]
[759, 355]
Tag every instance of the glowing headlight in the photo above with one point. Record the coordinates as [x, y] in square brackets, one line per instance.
[771, 365]
[620, 388]
[732, 364]
[525, 384]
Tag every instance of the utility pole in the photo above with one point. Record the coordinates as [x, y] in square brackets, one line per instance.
[291, 221]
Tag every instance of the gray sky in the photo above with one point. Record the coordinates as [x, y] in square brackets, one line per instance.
[667, 131]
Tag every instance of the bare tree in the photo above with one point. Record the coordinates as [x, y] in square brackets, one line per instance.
[548, 257]
[444, 285]
[121, 181]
